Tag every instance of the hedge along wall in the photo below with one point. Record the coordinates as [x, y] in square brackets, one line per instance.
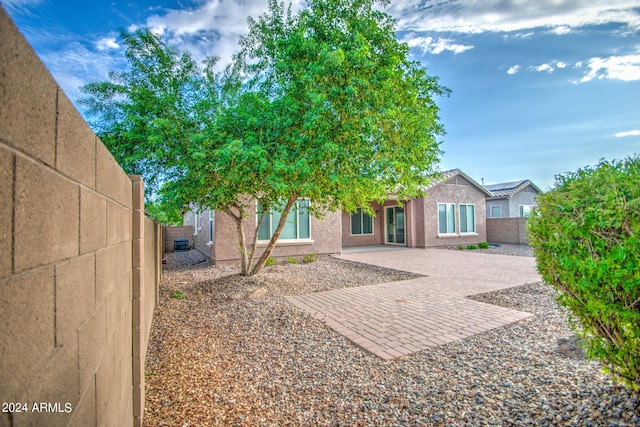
[79, 262]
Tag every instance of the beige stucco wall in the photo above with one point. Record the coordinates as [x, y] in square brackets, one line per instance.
[325, 239]
[457, 190]
[78, 260]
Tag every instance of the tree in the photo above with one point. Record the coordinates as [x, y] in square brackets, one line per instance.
[334, 111]
[585, 234]
[149, 116]
[322, 105]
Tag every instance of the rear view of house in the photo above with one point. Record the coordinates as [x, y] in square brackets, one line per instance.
[452, 212]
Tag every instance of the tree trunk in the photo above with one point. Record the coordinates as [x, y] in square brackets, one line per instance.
[274, 238]
[242, 246]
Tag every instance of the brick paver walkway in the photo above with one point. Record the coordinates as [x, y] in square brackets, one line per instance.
[399, 318]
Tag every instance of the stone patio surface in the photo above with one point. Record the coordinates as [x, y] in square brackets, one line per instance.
[394, 319]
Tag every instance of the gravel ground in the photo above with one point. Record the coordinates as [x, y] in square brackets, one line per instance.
[219, 358]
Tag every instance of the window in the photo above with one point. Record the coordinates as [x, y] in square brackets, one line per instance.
[196, 223]
[446, 218]
[525, 210]
[496, 211]
[210, 225]
[361, 223]
[467, 218]
[296, 227]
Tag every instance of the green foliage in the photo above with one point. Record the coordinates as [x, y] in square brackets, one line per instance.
[178, 295]
[460, 247]
[269, 262]
[148, 115]
[309, 258]
[472, 247]
[322, 105]
[483, 245]
[292, 260]
[585, 234]
[167, 215]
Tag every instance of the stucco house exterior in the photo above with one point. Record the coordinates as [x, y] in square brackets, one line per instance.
[511, 199]
[215, 234]
[452, 212]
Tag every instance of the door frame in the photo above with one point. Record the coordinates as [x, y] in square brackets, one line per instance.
[386, 224]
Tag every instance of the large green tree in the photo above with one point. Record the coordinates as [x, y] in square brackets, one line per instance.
[322, 105]
[150, 115]
[332, 111]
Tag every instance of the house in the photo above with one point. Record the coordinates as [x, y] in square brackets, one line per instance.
[452, 212]
[215, 234]
[511, 199]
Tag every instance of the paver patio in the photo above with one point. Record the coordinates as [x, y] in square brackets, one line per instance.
[399, 318]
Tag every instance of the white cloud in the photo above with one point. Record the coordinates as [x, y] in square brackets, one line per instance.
[513, 69]
[472, 16]
[435, 45]
[107, 43]
[561, 30]
[561, 64]
[625, 68]
[544, 67]
[19, 5]
[213, 28]
[628, 133]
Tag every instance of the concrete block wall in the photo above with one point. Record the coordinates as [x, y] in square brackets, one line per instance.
[507, 230]
[70, 259]
[172, 232]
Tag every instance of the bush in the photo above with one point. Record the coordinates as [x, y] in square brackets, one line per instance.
[292, 260]
[309, 258]
[472, 247]
[483, 245]
[269, 261]
[585, 234]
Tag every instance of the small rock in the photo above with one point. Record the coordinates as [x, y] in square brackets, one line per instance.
[571, 347]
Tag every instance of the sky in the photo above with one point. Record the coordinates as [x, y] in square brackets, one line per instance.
[539, 87]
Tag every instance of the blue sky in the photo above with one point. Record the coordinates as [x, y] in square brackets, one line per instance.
[540, 87]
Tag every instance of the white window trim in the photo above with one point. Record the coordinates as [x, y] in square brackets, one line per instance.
[455, 221]
[499, 208]
[196, 224]
[211, 230]
[285, 241]
[520, 210]
[361, 215]
[475, 227]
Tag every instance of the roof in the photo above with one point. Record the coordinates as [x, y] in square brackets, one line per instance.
[508, 189]
[447, 175]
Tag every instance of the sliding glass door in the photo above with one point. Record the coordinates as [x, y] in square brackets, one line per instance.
[395, 225]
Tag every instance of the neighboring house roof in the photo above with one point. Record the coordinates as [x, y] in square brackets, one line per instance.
[506, 190]
[450, 174]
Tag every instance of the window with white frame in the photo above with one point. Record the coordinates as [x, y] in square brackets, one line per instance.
[296, 227]
[446, 218]
[210, 225]
[525, 210]
[196, 223]
[361, 223]
[496, 211]
[467, 218]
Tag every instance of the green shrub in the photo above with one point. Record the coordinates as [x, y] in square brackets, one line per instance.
[585, 234]
[461, 247]
[309, 258]
[178, 295]
[472, 247]
[292, 260]
[483, 245]
[269, 261]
